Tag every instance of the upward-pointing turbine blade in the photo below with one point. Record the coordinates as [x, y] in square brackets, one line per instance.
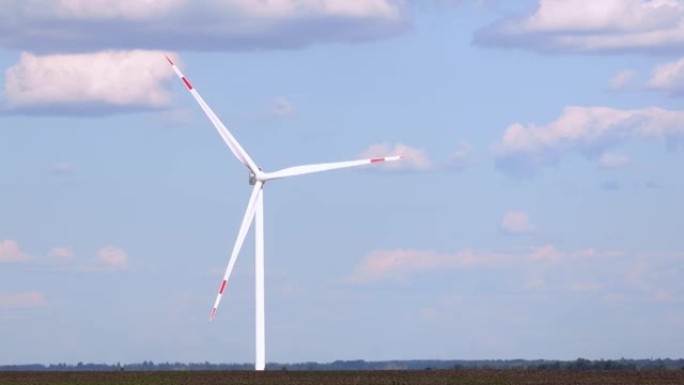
[230, 140]
[244, 227]
[311, 168]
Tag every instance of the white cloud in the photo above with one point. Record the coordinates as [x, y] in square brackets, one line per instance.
[525, 149]
[622, 80]
[105, 9]
[295, 8]
[516, 222]
[610, 160]
[55, 10]
[99, 81]
[22, 300]
[668, 77]
[606, 274]
[112, 257]
[549, 253]
[399, 263]
[654, 277]
[593, 26]
[10, 252]
[624, 15]
[416, 159]
[204, 25]
[61, 253]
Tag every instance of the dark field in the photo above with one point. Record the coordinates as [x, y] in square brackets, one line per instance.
[385, 377]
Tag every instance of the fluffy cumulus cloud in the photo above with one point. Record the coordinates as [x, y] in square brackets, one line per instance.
[653, 26]
[416, 159]
[668, 77]
[525, 149]
[10, 252]
[209, 25]
[98, 82]
[516, 222]
[111, 257]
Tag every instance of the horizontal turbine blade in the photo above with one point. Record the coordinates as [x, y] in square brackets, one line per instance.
[230, 140]
[311, 168]
[244, 227]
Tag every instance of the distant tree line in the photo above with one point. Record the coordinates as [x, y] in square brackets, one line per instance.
[578, 364]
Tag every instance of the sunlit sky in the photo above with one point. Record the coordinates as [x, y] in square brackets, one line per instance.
[539, 214]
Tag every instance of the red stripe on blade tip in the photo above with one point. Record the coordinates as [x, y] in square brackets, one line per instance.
[169, 59]
[213, 313]
[223, 286]
[187, 83]
[377, 160]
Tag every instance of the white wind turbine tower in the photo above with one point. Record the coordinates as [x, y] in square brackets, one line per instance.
[255, 212]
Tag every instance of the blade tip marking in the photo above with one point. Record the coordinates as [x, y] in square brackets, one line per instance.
[377, 160]
[168, 59]
[213, 313]
[223, 286]
[187, 83]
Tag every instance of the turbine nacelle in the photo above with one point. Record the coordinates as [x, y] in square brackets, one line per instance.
[255, 177]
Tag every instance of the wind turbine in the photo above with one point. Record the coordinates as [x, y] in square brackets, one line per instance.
[255, 212]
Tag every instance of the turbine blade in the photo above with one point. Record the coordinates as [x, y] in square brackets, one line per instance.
[230, 140]
[244, 227]
[311, 168]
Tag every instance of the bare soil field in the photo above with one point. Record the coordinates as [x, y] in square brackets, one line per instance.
[385, 377]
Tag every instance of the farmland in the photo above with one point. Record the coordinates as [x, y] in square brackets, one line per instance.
[385, 377]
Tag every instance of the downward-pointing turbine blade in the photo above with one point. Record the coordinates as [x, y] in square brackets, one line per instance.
[311, 168]
[244, 227]
[230, 140]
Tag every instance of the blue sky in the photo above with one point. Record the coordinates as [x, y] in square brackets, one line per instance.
[539, 214]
